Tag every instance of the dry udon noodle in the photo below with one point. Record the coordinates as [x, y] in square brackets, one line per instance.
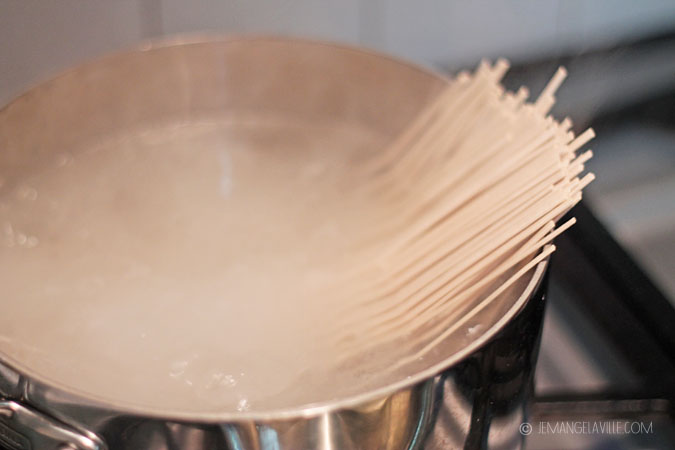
[478, 182]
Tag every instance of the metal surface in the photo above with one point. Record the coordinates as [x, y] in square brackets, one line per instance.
[477, 403]
[22, 428]
[471, 392]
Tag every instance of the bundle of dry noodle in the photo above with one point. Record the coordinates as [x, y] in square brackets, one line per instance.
[477, 183]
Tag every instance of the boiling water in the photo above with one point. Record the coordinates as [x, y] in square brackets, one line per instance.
[171, 266]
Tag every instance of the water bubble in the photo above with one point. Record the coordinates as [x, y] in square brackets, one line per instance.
[32, 242]
[21, 239]
[178, 368]
[474, 329]
[64, 159]
[243, 405]
[221, 379]
[215, 380]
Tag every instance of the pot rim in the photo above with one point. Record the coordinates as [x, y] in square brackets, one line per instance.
[75, 396]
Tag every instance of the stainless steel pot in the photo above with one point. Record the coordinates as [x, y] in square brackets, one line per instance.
[471, 393]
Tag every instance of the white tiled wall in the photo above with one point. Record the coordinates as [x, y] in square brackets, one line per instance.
[38, 37]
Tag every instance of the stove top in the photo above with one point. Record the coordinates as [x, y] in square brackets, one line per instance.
[605, 376]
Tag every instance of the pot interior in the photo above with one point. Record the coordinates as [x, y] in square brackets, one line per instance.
[97, 164]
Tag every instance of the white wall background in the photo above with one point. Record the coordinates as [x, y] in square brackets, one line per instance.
[39, 37]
